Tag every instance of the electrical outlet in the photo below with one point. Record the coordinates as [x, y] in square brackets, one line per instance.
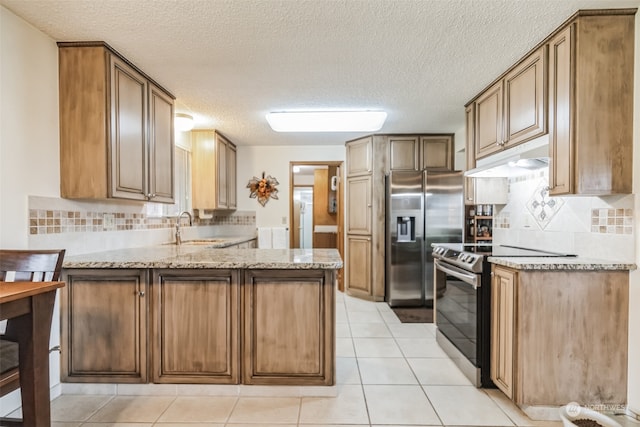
[284, 219]
[108, 221]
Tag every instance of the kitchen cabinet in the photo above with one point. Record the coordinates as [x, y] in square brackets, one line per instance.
[196, 326]
[591, 104]
[116, 128]
[418, 152]
[366, 164]
[213, 171]
[288, 332]
[513, 109]
[436, 152]
[104, 325]
[545, 324]
[502, 328]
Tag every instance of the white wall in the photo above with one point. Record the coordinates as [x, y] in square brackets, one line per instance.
[29, 155]
[634, 290]
[274, 161]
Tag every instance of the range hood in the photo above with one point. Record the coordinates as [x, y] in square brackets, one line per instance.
[514, 161]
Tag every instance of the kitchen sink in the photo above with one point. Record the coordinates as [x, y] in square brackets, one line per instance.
[199, 242]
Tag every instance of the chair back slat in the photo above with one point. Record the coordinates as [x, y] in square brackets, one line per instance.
[30, 265]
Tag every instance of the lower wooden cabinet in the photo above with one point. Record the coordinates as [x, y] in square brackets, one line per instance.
[289, 319]
[104, 325]
[195, 328]
[560, 336]
[358, 261]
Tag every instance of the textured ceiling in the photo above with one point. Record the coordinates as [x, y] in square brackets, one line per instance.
[229, 62]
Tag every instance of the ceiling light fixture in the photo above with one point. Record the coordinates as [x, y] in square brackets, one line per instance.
[183, 122]
[326, 121]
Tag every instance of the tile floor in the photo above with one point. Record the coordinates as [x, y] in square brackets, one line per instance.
[388, 373]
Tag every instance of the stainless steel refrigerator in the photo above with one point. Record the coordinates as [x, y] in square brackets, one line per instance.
[421, 208]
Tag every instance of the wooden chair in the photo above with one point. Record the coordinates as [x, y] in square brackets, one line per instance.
[22, 266]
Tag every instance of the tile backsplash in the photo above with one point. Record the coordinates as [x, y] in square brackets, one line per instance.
[591, 227]
[90, 226]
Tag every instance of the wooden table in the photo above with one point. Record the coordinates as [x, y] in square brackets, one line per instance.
[28, 306]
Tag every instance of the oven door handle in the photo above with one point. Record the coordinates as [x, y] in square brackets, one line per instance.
[458, 273]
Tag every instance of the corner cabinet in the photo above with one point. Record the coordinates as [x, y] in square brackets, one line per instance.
[195, 334]
[116, 128]
[213, 169]
[533, 361]
[104, 311]
[591, 104]
[513, 109]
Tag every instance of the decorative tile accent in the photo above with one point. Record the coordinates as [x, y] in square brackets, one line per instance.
[58, 221]
[612, 221]
[542, 207]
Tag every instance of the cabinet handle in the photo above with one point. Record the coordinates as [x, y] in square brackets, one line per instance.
[141, 293]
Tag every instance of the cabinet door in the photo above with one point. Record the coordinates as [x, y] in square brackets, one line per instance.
[196, 324]
[161, 146]
[203, 169]
[358, 266]
[525, 99]
[561, 168]
[404, 153]
[470, 135]
[359, 157]
[359, 194]
[128, 145]
[221, 164]
[104, 326]
[488, 128]
[289, 335]
[502, 329]
[436, 153]
[469, 191]
[232, 191]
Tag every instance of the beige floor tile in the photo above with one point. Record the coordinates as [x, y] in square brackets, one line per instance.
[341, 315]
[376, 347]
[370, 330]
[383, 307]
[72, 407]
[347, 371]
[402, 405]
[133, 409]
[117, 425]
[386, 371]
[188, 425]
[343, 330]
[410, 330]
[420, 347]
[344, 347]
[347, 408]
[390, 317]
[465, 405]
[364, 317]
[518, 417]
[65, 424]
[434, 371]
[357, 304]
[279, 410]
[200, 409]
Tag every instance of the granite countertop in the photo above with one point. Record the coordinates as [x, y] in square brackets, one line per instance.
[560, 263]
[198, 256]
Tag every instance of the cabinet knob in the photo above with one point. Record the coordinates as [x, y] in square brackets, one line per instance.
[141, 293]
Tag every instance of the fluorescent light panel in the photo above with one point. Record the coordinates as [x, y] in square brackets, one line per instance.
[327, 121]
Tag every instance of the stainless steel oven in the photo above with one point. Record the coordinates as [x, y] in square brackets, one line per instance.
[462, 284]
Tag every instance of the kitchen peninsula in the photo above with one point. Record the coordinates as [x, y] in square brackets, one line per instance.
[200, 315]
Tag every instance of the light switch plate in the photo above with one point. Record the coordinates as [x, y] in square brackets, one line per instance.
[108, 221]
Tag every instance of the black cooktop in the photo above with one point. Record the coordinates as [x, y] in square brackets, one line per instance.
[502, 250]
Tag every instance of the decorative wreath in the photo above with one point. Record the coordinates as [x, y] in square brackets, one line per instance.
[263, 188]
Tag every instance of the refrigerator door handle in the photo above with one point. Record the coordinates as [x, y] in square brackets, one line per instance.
[470, 278]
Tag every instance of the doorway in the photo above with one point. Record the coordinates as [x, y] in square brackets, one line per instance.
[316, 208]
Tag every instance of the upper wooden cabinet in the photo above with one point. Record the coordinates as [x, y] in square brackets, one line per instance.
[360, 157]
[213, 169]
[512, 110]
[417, 152]
[116, 128]
[436, 152]
[591, 104]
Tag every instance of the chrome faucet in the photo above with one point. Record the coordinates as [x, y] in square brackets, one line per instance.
[178, 238]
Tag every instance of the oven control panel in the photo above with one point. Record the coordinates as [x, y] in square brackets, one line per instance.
[466, 260]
